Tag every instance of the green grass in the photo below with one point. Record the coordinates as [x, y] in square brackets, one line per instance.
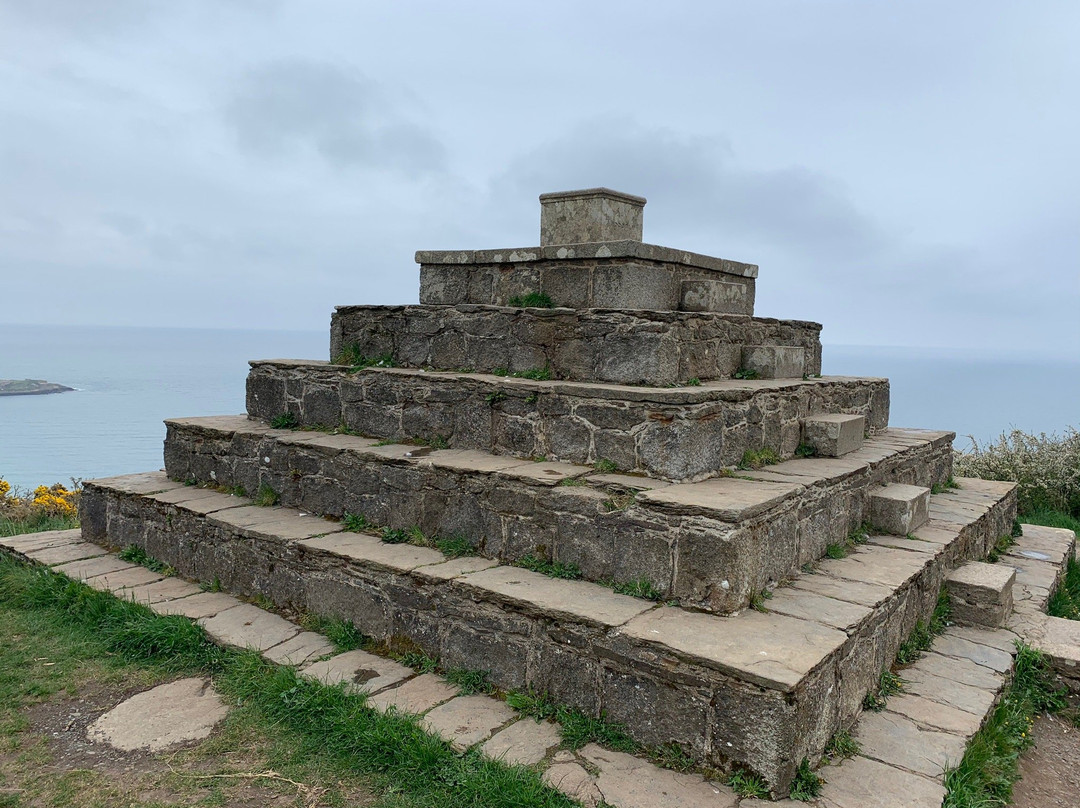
[408, 765]
[805, 450]
[836, 551]
[284, 421]
[533, 300]
[1065, 602]
[746, 373]
[356, 522]
[889, 684]
[842, 746]
[355, 358]
[342, 633]
[15, 527]
[470, 681]
[605, 466]
[638, 588]
[755, 459]
[922, 636]
[748, 785]
[552, 569]
[757, 600]
[807, 785]
[1052, 519]
[266, 496]
[989, 768]
[134, 554]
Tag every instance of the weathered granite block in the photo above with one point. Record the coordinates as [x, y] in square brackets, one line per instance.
[898, 508]
[833, 434]
[981, 594]
[775, 361]
[718, 296]
[671, 433]
[593, 214]
[624, 347]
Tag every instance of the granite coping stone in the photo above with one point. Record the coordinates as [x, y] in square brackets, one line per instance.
[586, 251]
[771, 650]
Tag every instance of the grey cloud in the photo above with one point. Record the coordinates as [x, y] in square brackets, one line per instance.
[342, 116]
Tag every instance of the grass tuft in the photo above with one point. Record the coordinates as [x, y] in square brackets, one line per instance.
[266, 496]
[842, 746]
[286, 420]
[807, 785]
[638, 588]
[755, 459]
[747, 373]
[552, 569]
[749, 785]
[470, 681]
[533, 300]
[889, 684]
[134, 554]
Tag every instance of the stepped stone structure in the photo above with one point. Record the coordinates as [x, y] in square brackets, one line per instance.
[587, 468]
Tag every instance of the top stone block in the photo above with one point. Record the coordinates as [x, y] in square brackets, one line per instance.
[590, 215]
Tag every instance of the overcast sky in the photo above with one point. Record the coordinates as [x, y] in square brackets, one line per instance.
[904, 172]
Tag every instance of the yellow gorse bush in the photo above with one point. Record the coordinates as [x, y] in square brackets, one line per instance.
[56, 500]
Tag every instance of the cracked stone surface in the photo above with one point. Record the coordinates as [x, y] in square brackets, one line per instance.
[574, 781]
[415, 696]
[247, 626]
[167, 715]
[203, 604]
[630, 782]
[359, 669]
[864, 783]
[898, 741]
[523, 743]
[468, 720]
[305, 646]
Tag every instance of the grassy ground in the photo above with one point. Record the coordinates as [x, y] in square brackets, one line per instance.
[13, 527]
[64, 640]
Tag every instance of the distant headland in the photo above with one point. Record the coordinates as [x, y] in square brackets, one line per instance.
[30, 387]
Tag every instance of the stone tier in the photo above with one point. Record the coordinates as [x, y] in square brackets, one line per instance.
[712, 544]
[755, 690]
[669, 433]
[599, 275]
[622, 347]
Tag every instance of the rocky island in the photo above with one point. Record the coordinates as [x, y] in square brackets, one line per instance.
[30, 387]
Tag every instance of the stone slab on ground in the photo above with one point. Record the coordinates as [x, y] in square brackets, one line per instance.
[573, 780]
[993, 658]
[156, 719]
[975, 700]
[416, 696]
[35, 541]
[197, 606]
[468, 720]
[898, 741]
[62, 553]
[93, 567]
[1061, 644]
[627, 781]
[360, 670]
[934, 715]
[247, 626]
[524, 743]
[160, 591]
[301, 649]
[864, 783]
[122, 580]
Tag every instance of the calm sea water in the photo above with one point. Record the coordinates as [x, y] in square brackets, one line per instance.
[130, 379]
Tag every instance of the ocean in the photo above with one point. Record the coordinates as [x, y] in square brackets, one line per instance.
[128, 380]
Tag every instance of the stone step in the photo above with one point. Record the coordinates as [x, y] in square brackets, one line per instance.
[833, 434]
[981, 594]
[712, 544]
[672, 433]
[592, 774]
[899, 509]
[587, 345]
[760, 690]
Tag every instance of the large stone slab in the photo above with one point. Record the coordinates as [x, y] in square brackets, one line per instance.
[864, 783]
[899, 741]
[359, 670]
[523, 743]
[165, 716]
[468, 720]
[60, 554]
[247, 626]
[299, 650]
[415, 696]
[627, 781]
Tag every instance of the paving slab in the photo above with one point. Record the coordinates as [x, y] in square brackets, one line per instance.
[864, 783]
[120, 581]
[92, 567]
[574, 781]
[884, 566]
[974, 700]
[361, 671]
[468, 720]
[822, 609]
[1002, 639]
[546, 473]
[160, 591]
[197, 606]
[247, 626]
[523, 743]
[630, 482]
[935, 715]
[898, 741]
[772, 650]
[988, 657]
[167, 715]
[371, 549]
[36, 541]
[213, 502]
[472, 461]
[192, 494]
[555, 597]
[456, 567]
[1061, 644]
[860, 592]
[298, 650]
[60, 554]
[959, 670]
[145, 483]
[626, 781]
[726, 498]
[416, 696]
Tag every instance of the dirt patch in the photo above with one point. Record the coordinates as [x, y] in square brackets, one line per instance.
[1050, 770]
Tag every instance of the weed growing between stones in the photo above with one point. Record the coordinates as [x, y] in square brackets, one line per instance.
[858, 535]
[1000, 548]
[922, 636]
[356, 522]
[1065, 602]
[836, 551]
[755, 459]
[533, 300]
[747, 373]
[543, 374]
[572, 482]
[334, 725]
[355, 358]
[842, 746]
[605, 466]
[134, 554]
[552, 569]
[757, 600]
[342, 633]
[469, 681]
[749, 785]
[805, 450]
[284, 421]
[266, 496]
[807, 785]
[988, 770]
[889, 684]
[638, 588]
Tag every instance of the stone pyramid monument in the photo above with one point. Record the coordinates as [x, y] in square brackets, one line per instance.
[588, 469]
